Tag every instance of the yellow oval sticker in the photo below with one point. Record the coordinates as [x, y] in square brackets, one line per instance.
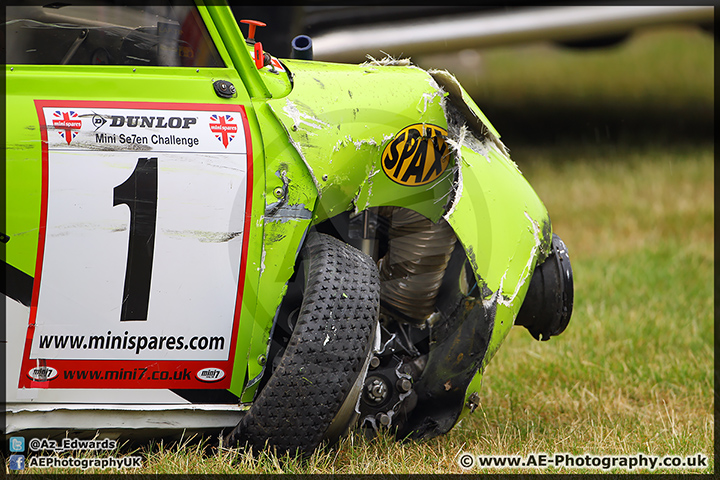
[417, 155]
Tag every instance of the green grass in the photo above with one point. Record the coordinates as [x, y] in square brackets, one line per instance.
[634, 371]
[631, 191]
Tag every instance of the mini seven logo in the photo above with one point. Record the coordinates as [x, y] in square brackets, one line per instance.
[67, 123]
[223, 130]
[417, 155]
[42, 374]
[210, 374]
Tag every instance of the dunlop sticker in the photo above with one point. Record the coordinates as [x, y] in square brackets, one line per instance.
[417, 155]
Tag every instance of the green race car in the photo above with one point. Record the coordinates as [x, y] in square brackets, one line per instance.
[202, 237]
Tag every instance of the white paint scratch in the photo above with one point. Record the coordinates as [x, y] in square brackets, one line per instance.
[360, 143]
[339, 144]
[262, 261]
[301, 118]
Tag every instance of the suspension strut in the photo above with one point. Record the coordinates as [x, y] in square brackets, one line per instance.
[412, 270]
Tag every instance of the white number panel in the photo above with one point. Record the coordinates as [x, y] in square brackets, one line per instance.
[142, 247]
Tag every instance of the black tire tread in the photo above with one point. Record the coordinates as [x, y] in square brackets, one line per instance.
[325, 354]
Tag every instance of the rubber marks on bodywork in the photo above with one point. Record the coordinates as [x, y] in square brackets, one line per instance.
[417, 155]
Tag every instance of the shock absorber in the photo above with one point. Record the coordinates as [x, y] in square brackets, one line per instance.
[412, 270]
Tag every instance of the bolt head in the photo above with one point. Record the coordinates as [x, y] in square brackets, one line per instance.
[383, 419]
[404, 385]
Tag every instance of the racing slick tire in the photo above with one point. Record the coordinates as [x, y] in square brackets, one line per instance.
[313, 392]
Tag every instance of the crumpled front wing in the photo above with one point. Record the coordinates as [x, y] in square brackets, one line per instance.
[505, 231]
[340, 118]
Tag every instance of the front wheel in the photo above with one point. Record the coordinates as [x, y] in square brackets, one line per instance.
[314, 389]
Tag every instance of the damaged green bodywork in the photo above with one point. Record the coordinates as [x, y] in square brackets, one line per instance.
[340, 118]
[318, 135]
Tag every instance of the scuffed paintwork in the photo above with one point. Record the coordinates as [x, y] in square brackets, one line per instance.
[302, 118]
[358, 143]
[261, 268]
[203, 236]
[343, 156]
[281, 211]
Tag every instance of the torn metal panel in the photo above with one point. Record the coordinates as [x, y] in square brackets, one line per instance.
[486, 221]
[451, 366]
[476, 119]
[502, 224]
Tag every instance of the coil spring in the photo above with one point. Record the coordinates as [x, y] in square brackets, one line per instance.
[412, 270]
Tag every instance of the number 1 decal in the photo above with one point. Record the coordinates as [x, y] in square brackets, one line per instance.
[140, 271]
[139, 193]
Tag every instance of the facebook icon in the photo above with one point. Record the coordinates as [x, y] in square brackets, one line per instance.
[17, 462]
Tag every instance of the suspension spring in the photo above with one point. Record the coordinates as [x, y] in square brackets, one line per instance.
[412, 270]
